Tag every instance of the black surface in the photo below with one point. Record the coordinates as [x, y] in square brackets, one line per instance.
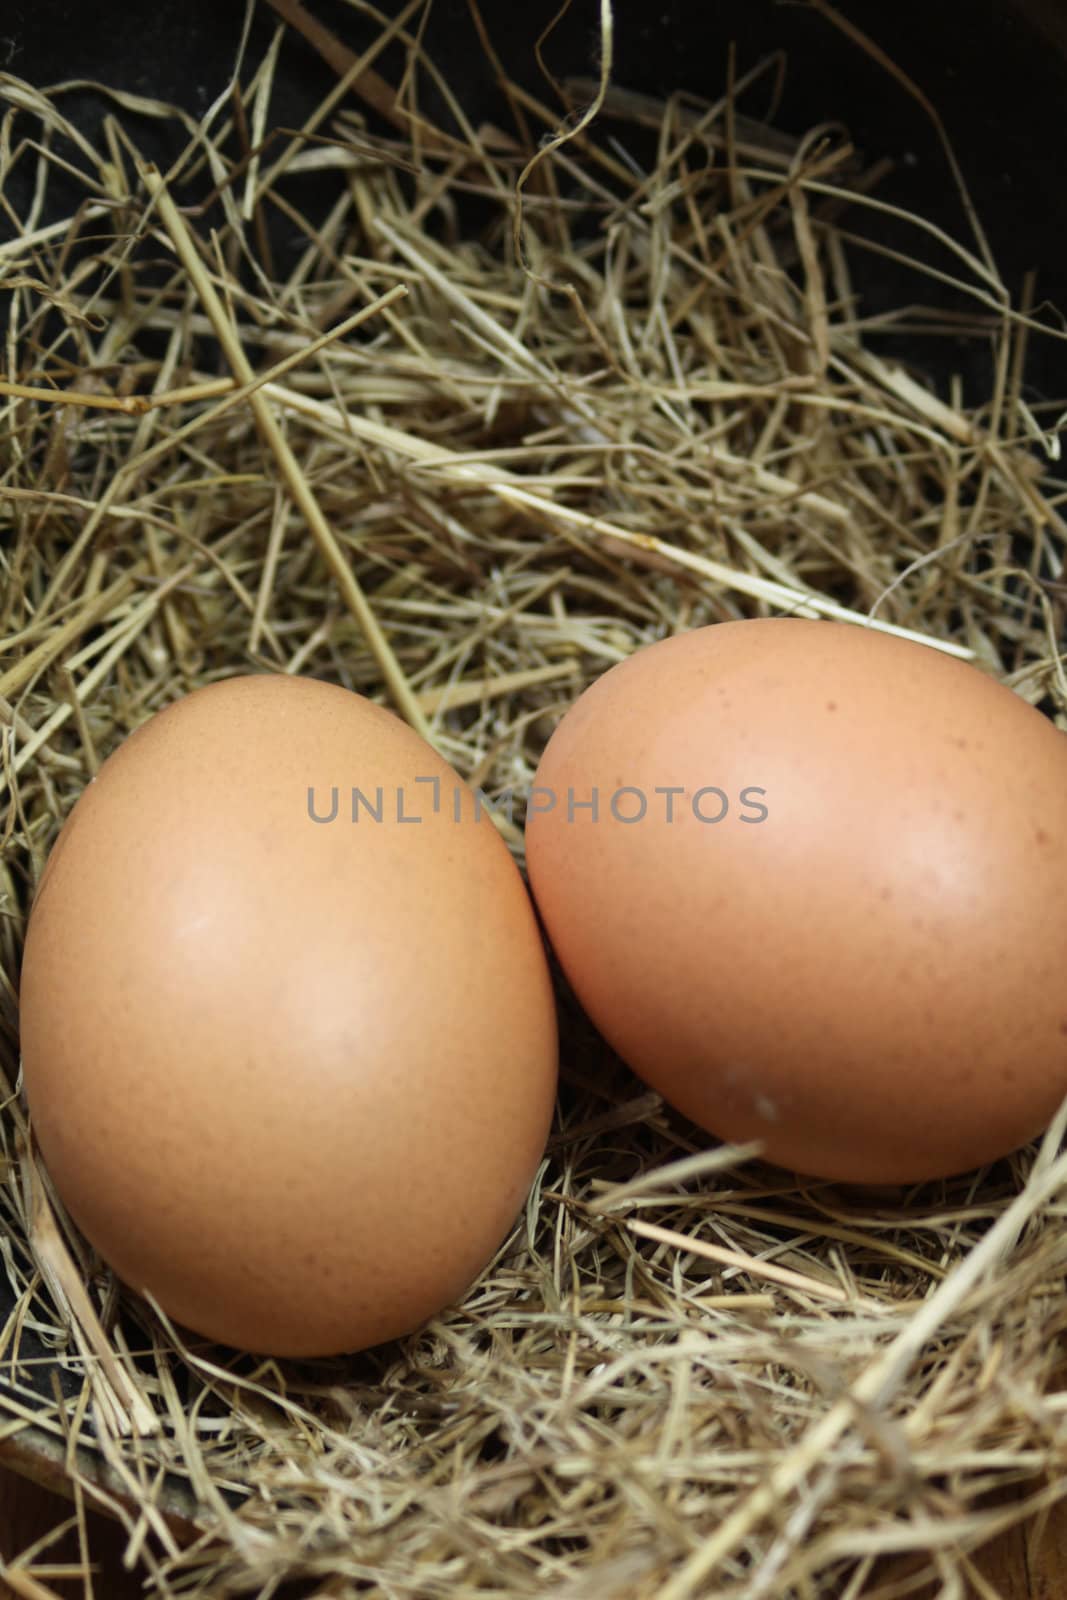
[996, 81]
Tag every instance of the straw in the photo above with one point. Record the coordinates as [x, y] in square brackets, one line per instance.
[518, 401]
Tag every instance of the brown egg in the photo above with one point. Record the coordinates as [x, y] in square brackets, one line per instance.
[291, 1067]
[848, 941]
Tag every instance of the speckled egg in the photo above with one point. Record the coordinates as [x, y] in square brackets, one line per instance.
[810, 880]
[288, 1034]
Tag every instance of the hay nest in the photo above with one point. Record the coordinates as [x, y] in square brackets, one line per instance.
[464, 467]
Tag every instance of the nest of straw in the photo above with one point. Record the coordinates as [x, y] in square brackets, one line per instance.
[465, 467]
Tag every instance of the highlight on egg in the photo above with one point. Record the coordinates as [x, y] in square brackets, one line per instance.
[866, 978]
[291, 1072]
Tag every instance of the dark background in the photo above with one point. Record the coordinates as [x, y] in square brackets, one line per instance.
[993, 72]
[995, 69]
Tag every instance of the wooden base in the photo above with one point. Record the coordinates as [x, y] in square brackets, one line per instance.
[27, 1513]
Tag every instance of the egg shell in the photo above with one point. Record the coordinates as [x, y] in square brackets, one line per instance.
[861, 965]
[291, 1076]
